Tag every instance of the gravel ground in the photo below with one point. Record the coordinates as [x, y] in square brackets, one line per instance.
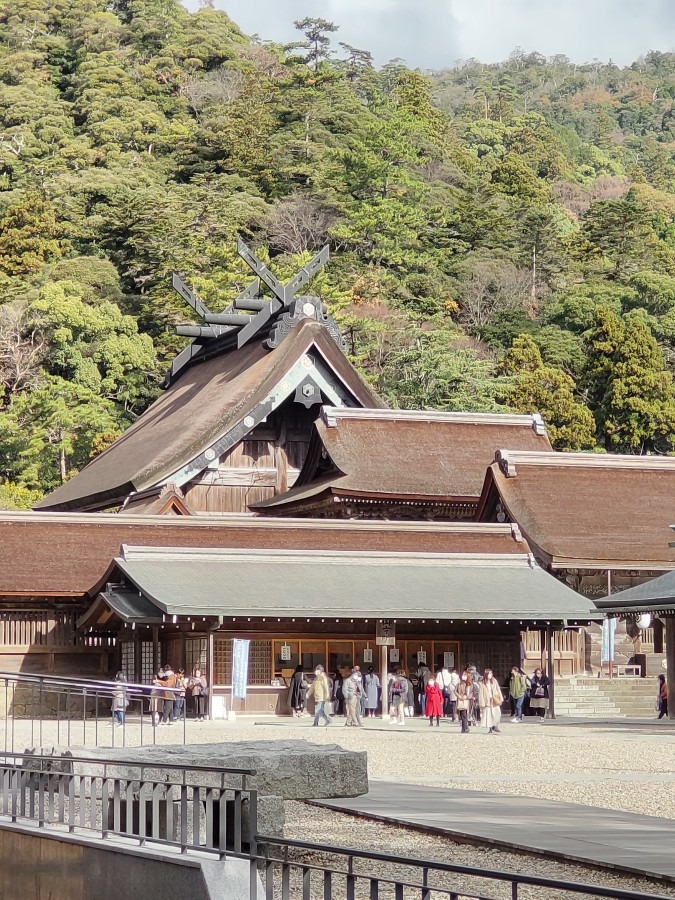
[624, 769]
[310, 823]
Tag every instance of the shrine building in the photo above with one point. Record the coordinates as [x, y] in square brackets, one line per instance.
[270, 494]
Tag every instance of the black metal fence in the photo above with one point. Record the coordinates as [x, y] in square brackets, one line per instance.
[191, 808]
[79, 712]
[299, 870]
[214, 812]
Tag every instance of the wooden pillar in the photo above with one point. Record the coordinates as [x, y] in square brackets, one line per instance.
[670, 664]
[550, 665]
[209, 675]
[155, 650]
[383, 680]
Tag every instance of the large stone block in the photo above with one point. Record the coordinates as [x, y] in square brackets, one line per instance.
[292, 770]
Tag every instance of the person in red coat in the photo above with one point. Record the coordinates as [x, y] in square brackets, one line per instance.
[434, 702]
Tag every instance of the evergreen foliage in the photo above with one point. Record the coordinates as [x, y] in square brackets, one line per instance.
[503, 236]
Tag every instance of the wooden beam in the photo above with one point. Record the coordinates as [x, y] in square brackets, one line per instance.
[550, 664]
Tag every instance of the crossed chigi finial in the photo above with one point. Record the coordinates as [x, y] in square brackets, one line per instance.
[251, 312]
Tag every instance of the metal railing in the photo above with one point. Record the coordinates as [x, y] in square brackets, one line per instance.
[299, 870]
[78, 712]
[188, 808]
[214, 812]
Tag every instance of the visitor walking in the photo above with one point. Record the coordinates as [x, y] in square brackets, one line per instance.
[179, 700]
[352, 690]
[539, 694]
[662, 699]
[464, 701]
[157, 697]
[297, 692]
[490, 699]
[169, 696]
[398, 697]
[362, 698]
[433, 702]
[423, 675]
[199, 690]
[410, 697]
[371, 685]
[518, 692]
[321, 690]
[444, 680]
[119, 699]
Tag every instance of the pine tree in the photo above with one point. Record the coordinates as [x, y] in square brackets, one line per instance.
[632, 391]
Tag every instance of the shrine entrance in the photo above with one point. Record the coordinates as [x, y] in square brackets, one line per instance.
[341, 655]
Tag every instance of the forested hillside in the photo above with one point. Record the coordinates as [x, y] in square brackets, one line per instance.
[503, 236]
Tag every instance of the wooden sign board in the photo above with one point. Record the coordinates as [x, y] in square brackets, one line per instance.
[385, 633]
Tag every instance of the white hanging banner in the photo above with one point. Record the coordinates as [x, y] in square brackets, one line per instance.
[285, 652]
[421, 657]
[394, 654]
[239, 668]
[367, 655]
[449, 660]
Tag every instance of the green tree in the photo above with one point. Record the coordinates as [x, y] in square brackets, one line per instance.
[535, 387]
[316, 32]
[30, 236]
[436, 372]
[630, 389]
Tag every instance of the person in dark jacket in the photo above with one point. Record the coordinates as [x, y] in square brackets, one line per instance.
[539, 684]
[297, 692]
[338, 695]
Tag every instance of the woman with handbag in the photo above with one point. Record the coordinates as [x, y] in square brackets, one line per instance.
[200, 692]
[490, 699]
[539, 694]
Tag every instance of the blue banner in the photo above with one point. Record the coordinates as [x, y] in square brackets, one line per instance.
[239, 668]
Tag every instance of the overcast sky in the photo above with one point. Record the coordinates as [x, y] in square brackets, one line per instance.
[436, 33]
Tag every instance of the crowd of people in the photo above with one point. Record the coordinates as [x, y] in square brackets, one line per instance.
[469, 698]
[168, 696]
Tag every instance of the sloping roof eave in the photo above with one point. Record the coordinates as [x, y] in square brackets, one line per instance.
[132, 470]
[352, 584]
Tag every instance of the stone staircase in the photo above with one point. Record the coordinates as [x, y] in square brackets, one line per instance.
[602, 698]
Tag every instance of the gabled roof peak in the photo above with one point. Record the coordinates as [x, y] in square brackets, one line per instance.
[252, 315]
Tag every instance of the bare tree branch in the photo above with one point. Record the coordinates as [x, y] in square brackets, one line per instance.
[299, 223]
[22, 348]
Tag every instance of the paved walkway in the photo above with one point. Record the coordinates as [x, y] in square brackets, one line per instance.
[600, 837]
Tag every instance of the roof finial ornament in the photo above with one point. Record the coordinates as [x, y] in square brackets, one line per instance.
[251, 312]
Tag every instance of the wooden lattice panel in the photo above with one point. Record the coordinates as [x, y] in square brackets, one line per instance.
[259, 662]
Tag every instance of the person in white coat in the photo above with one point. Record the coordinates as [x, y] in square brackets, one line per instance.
[490, 699]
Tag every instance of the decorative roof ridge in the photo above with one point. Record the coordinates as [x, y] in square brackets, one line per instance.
[247, 520]
[509, 459]
[132, 553]
[252, 314]
[331, 414]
